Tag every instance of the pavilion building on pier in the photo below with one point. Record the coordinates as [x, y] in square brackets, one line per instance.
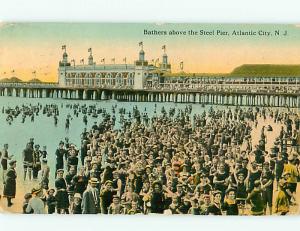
[131, 76]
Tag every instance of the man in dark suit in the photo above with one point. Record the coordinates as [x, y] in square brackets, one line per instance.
[91, 198]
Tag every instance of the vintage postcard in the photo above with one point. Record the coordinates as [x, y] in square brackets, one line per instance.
[132, 118]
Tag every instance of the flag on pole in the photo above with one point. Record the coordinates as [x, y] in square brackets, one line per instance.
[63, 47]
[13, 71]
[124, 60]
[163, 47]
[140, 44]
[90, 50]
[82, 61]
[102, 60]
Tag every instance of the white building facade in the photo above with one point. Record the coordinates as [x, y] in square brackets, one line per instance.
[139, 75]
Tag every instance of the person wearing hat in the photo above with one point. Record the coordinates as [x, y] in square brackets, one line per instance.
[291, 168]
[35, 203]
[91, 198]
[60, 154]
[62, 197]
[255, 200]
[27, 197]
[76, 205]
[10, 183]
[36, 161]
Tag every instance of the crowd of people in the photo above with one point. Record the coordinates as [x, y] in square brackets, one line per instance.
[174, 162]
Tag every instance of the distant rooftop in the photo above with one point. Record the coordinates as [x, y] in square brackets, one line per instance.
[249, 70]
[266, 70]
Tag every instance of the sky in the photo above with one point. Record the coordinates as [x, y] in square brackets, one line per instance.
[26, 48]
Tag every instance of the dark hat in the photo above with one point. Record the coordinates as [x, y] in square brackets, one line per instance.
[61, 142]
[12, 162]
[35, 190]
[27, 196]
[37, 146]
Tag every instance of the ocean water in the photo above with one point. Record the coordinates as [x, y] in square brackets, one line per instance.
[44, 132]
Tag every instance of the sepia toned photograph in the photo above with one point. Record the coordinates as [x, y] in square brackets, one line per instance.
[144, 119]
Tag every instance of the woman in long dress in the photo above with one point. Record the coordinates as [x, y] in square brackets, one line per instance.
[10, 183]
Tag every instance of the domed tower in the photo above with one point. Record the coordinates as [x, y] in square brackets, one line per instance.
[90, 59]
[65, 58]
[63, 67]
[165, 59]
[141, 69]
[142, 55]
[165, 65]
[64, 61]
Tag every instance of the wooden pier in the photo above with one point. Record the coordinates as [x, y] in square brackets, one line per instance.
[206, 94]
